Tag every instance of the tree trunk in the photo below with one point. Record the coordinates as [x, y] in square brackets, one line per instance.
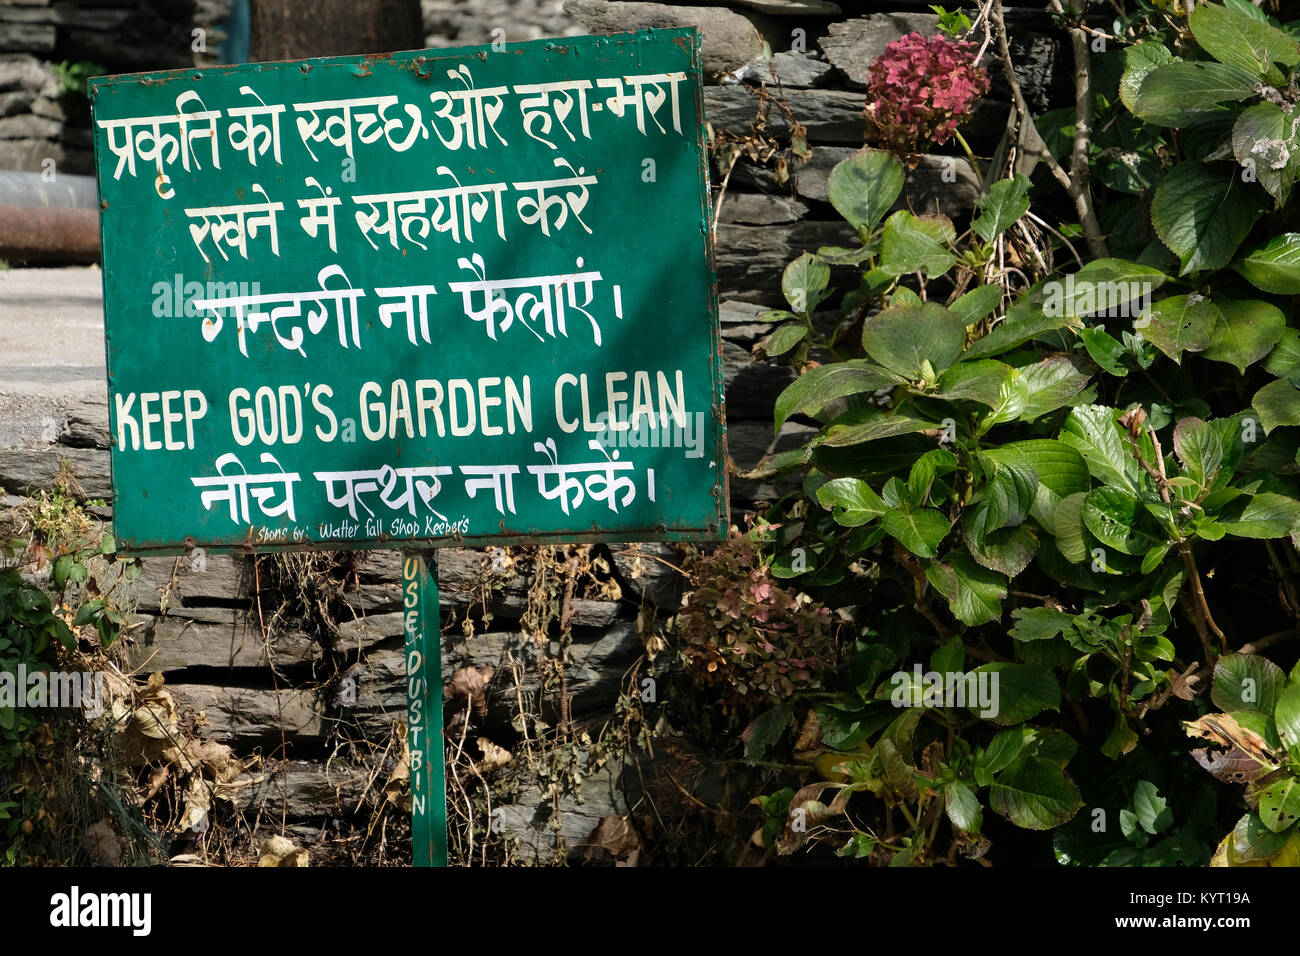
[288, 29]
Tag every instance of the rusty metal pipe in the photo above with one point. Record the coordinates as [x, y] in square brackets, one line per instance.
[49, 235]
[65, 191]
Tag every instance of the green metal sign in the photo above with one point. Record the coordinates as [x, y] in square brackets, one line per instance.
[413, 300]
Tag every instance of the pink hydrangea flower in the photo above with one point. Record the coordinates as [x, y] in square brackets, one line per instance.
[921, 89]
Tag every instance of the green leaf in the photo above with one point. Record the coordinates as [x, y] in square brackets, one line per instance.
[1121, 740]
[1152, 559]
[1251, 840]
[765, 730]
[1248, 329]
[1232, 431]
[963, 807]
[1101, 286]
[1278, 403]
[1287, 717]
[1034, 794]
[1202, 214]
[1092, 431]
[1006, 550]
[979, 381]
[977, 303]
[1198, 447]
[1284, 360]
[1273, 267]
[1023, 691]
[864, 186]
[1181, 323]
[64, 633]
[62, 569]
[1060, 469]
[784, 339]
[919, 531]
[1117, 519]
[1266, 515]
[1039, 623]
[1279, 804]
[1178, 94]
[1248, 8]
[804, 282]
[1068, 528]
[859, 847]
[1010, 334]
[1037, 389]
[1006, 496]
[1151, 809]
[1246, 682]
[847, 255]
[917, 244]
[1265, 142]
[1241, 41]
[904, 337]
[974, 593]
[88, 612]
[1139, 60]
[949, 657]
[1106, 350]
[862, 425]
[812, 391]
[929, 466]
[1007, 200]
[853, 501]
[1004, 748]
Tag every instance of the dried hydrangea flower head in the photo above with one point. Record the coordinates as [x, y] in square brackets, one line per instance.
[921, 88]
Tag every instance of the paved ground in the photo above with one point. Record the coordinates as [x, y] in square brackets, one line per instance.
[51, 352]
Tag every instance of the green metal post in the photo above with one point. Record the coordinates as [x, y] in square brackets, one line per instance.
[424, 708]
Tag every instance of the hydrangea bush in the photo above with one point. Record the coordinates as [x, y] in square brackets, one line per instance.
[1077, 471]
[921, 90]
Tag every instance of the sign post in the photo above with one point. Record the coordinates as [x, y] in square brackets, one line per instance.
[408, 301]
[424, 709]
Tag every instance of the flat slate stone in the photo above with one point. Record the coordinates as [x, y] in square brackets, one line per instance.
[304, 790]
[648, 570]
[221, 637]
[791, 8]
[829, 116]
[593, 673]
[750, 259]
[752, 385]
[945, 184]
[788, 70]
[748, 443]
[193, 580]
[760, 209]
[852, 45]
[252, 717]
[727, 39]
[38, 467]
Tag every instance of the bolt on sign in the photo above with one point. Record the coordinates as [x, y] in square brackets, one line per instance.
[408, 301]
[420, 299]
